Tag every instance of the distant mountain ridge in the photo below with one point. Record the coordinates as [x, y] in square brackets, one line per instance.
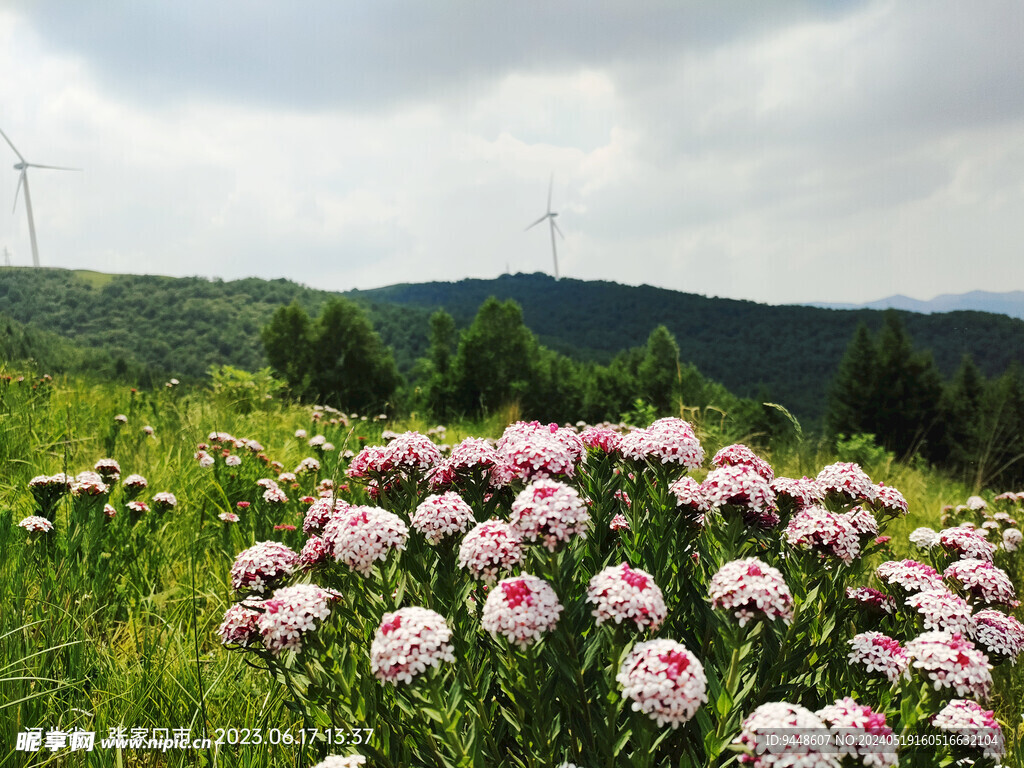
[1010, 303]
[784, 354]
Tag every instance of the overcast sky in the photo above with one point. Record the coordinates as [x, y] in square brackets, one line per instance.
[781, 152]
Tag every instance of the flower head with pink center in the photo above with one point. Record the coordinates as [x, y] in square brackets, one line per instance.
[263, 566]
[741, 456]
[666, 441]
[872, 598]
[138, 507]
[771, 718]
[909, 575]
[967, 542]
[535, 450]
[976, 503]
[750, 589]
[292, 613]
[863, 522]
[135, 482]
[690, 498]
[360, 536]
[36, 524]
[228, 517]
[664, 681]
[824, 532]
[314, 552]
[742, 487]
[877, 652]
[951, 661]
[847, 482]
[370, 461]
[491, 548]
[620, 593]
[602, 439]
[850, 719]
[549, 512]
[801, 493]
[109, 470]
[412, 452]
[474, 455]
[88, 484]
[109, 511]
[522, 609]
[982, 580]
[940, 609]
[1000, 635]
[440, 516]
[164, 501]
[619, 523]
[968, 718]
[241, 624]
[1012, 539]
[275, 495]
[408, 642]
[321, 512]
[890, 501]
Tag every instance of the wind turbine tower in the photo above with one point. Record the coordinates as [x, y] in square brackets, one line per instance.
[550, 216]
[22, 167]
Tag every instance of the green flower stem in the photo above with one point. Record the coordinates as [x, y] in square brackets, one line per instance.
[451, 734]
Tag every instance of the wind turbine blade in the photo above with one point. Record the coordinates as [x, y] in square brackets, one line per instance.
[551, 185]
[52, 167]
[538, 221]
[556, 228]
[11, 144]
[17, 189]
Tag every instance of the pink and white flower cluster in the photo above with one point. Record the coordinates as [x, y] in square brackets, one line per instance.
[824, 532]
[522, 609]
[491, 548]
[36, 524]
[360, 536]
[847, 482]
[751, 588]
[849, 718]
[262, 566]
[664, 681]
[439, 516]
[620, 593]
[890, 501]
[982, 580]
[604, 439]
[771, 718]
[549, 512]
[999, 634]
[909, 575]
[291, 613]
[967, 542]
[741, 485]
[165, 500]
[408, 642]
[951, 661]
[690, 498]
[534, 450]
[968, 718]
[89, 484]
[877, 652]
[872, 598]
[741, 456]
[109, 470]
[666, 441]
[942, 610]
[924, 537]
[801, 493]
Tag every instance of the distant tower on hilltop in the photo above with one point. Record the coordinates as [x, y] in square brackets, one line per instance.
[7, 257]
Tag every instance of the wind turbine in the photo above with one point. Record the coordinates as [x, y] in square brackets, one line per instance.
[23, 167]
[550, 216]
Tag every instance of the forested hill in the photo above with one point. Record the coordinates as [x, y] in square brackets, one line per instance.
[787, 353]
[182, 326]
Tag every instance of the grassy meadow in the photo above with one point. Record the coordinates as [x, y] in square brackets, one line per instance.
[122, 631]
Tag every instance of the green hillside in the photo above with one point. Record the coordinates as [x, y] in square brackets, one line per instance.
[182, 326]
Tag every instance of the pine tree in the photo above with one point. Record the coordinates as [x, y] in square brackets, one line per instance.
[659, 372]
[852, 396]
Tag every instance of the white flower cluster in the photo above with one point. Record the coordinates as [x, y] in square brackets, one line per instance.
[741, 455]
[492, 547]
[951, 661]
[522, 609]
[908, 575]
[942, 610]
[742, 486]
[36, 524]
[550, 512]
[165, 500]
[804, 492]
[338, 761]
[620, 593]
[109, 469]
[442, 515]
[135, 482]
[408, 642]
[924, 538]
[413, 451]
[292, 612]
[664, 681]
[362, 535]
[308, 464]
[88, 484]
[889, 500]
[879, 653]
[263, 566]
[751, 588]
[1012, 539]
